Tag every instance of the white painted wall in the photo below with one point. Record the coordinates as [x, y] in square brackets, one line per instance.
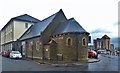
[19, 28]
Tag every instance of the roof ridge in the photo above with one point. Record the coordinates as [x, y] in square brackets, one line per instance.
[105, 36]
[53, 14]
[20, 15]
[30, 18]
[48, 17]
[72, 18]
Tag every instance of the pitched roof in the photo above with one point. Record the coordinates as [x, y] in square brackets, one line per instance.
[105, 37]
[47, 33]
[36, 29]
[41, 26]
[70, 25]
[26, 17]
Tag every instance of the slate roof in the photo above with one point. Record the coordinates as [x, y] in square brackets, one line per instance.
[70, 25]
[26, 17]
[36, 29]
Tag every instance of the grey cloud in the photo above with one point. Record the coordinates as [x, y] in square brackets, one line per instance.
[100, 31]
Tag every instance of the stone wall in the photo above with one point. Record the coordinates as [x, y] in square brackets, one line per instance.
[74, 52]
[59, 50]
[33, 48]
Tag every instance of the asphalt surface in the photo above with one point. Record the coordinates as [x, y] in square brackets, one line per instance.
[106, 63]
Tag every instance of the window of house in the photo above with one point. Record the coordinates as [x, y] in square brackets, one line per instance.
[30, 46]
[26, 25]
[84, 41]
[69, 41]
[37, 45]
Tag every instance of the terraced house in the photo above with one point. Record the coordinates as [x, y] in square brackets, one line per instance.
[102, 43]
[12, 31]
[55, 38]
[105, 40]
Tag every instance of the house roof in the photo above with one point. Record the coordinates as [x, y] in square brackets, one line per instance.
[36, 29]
[105, 37]
[41, 26]
[24, 17]
[70, 25]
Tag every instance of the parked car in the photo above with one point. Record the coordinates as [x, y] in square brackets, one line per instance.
[5, 53]
[101, 51]
[92, 54]
[15, 54]
[108, 52]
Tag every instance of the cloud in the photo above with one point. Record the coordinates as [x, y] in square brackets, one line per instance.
[99, 30]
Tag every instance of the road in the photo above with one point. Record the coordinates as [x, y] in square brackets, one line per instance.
[107, 63]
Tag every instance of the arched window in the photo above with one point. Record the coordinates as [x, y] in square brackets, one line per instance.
[84, 41]
[30, 46]
[69, 41]
[37, 45]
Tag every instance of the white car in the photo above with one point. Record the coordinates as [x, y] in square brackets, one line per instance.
[15, 54]
[101, 51]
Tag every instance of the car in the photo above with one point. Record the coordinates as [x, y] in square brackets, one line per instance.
[5, 53]
[108, 52]
[92, 54]
[101, 51]
[15, 54]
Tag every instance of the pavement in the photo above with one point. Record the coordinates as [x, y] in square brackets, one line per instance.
[91, 60]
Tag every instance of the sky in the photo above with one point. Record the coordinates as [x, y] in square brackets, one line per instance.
[98, 17]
